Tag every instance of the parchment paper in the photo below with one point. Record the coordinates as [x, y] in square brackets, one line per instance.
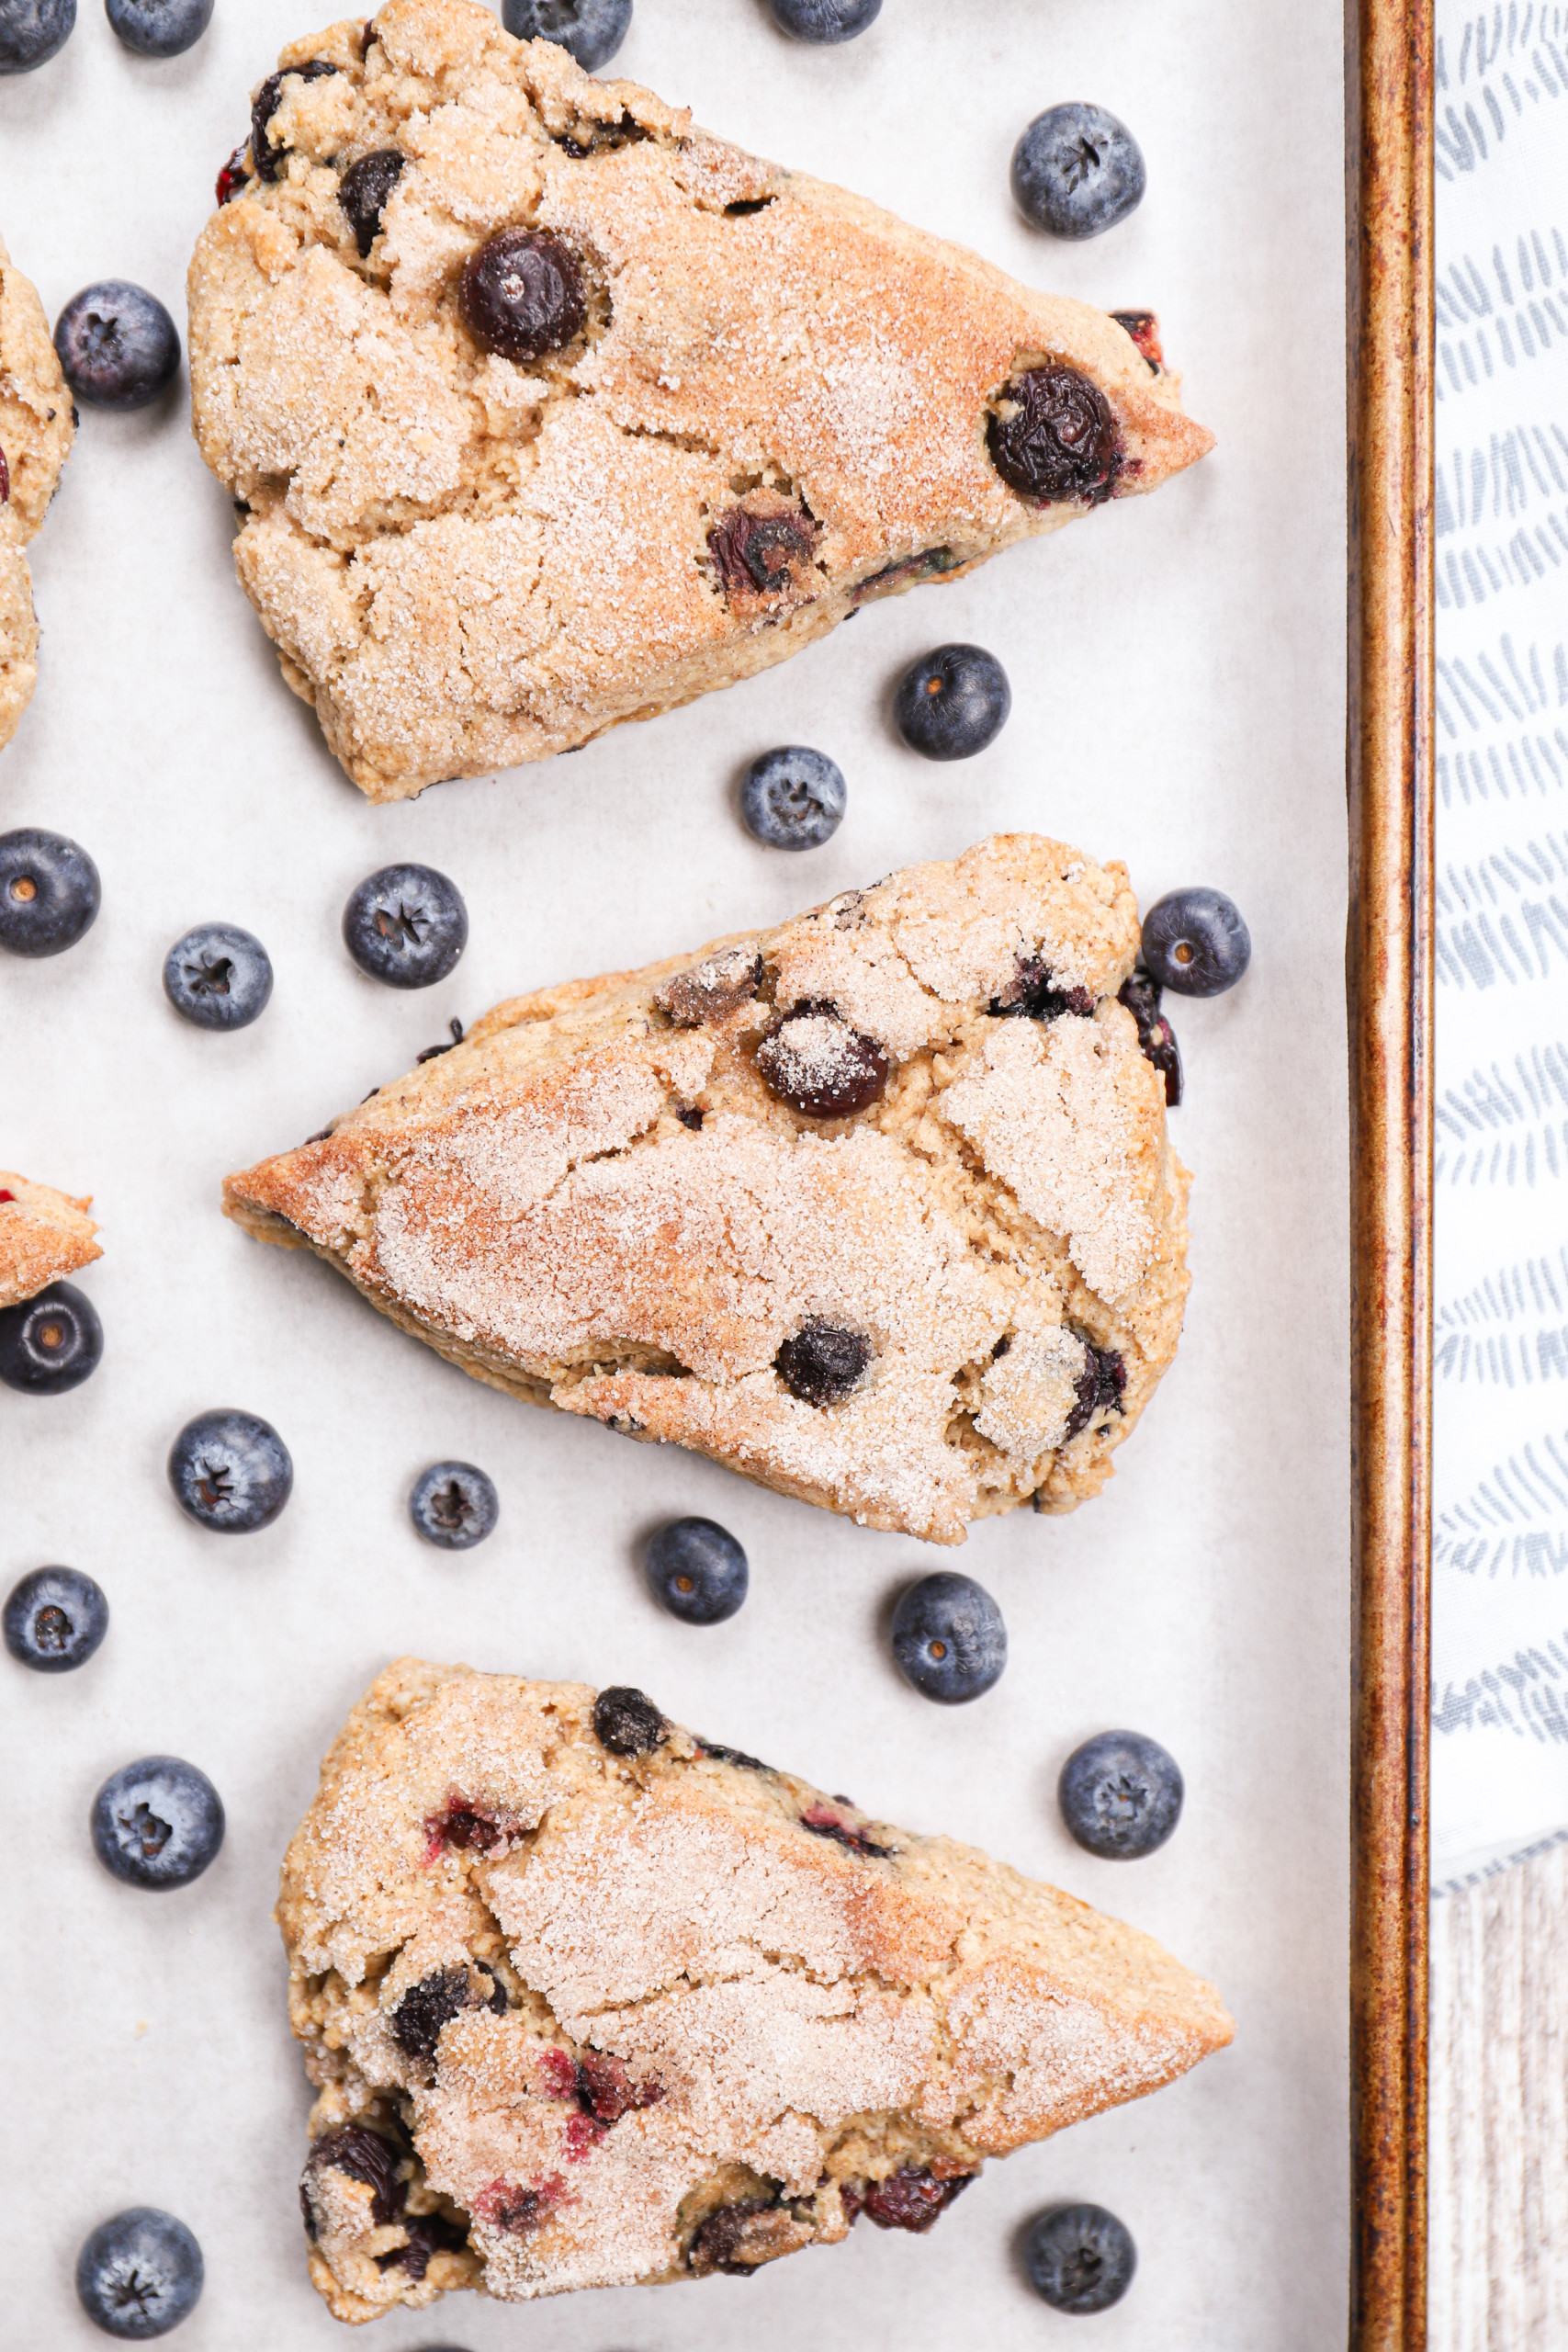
[1176, 664]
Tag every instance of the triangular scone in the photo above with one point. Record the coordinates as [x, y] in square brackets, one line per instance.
[44, 1235]
[590, 2002]
[36, 432]
[878, 1208]
[774, 400]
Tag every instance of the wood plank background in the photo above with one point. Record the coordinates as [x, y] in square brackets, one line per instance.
[1497, 2142]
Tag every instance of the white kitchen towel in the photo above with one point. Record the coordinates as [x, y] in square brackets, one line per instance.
[1500, 1549]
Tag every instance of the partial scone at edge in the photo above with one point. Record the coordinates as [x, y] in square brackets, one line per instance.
[779, 403]
[36, 431]
[44, 1237]
[947, 1288]
[590, 2001]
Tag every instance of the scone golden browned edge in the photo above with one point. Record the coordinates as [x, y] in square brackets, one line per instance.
[779, 402]
[44, 1235]
[589, 2002]
[36, 432]
[627, 1197]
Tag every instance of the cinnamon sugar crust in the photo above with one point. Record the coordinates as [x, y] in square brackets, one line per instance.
[777, 407]
[44, 1237]
[582, 2018]
[600, 1202]
[36, 432]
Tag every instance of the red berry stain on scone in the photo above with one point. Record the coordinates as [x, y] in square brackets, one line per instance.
[4, 481]
[234, 175]
[824, 1823]
[1143, 328]
[468, 1828]
[1053, 437]
[506, 2206]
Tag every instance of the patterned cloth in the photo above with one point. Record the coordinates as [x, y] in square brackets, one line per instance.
[1500, 1552]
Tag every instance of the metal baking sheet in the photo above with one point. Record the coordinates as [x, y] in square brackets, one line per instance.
[1177, 666]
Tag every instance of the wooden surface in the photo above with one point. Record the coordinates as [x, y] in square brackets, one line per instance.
[1498, 2130]
[1389, 173]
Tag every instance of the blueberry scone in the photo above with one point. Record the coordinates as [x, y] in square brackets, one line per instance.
[590, 2002]
[36, 432]
[44, 1237]
[878, 1208]
[545, 410]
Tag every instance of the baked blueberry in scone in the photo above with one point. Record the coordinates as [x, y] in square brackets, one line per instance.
[546, 410]
[36, 433]
[878, 1208]
[44, 1235]
[589, 2001]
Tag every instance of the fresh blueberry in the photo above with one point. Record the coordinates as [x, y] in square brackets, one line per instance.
[52, 1342]
[50, 892]
[160, 28]
[954, 702]
[793, 798]
[140, 2275]
[219, 977]
[1076, 171]
[454, 1505]
[55, 1620]
[1079, 2258]
[824, 20]
[118, 344]
[31, 31]
[1196, 943]
[157, 1823]
[591, 29]
[231, 1472]
[406, 925]
[696, 1571]
[1121, 1795]
[948, 1637]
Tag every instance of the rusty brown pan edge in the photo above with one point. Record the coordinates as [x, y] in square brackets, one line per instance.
[1389, 965]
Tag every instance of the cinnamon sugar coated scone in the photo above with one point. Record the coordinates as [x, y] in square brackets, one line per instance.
[546, 410]
[36, 432]
[878, 1208]
[44, 1235]
[590, 2002]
